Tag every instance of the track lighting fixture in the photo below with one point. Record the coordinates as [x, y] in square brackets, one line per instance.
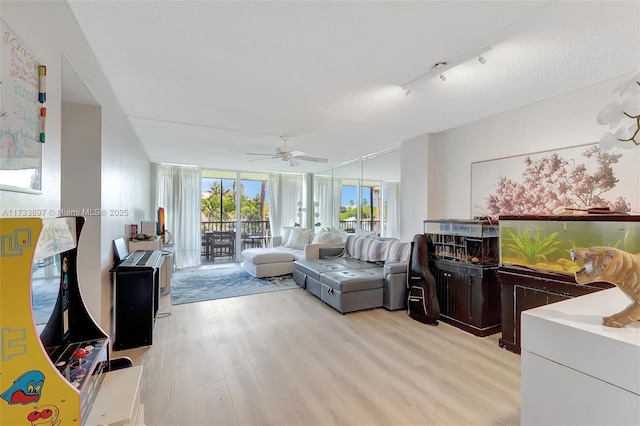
[440, 65]
[445, 65]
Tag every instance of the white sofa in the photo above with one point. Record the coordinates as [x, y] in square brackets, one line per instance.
[294, 244]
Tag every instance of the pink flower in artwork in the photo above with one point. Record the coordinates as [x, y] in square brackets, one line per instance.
[553, 182]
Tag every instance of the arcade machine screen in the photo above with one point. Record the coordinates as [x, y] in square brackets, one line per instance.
[45, 285]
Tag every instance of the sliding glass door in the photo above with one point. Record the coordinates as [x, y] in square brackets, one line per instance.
[254, 210]
[234, 214]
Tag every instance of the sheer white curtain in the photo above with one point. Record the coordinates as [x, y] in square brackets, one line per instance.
[285, 191]
[178, 191]
[322, 194]
[327, 192]
[393, 228]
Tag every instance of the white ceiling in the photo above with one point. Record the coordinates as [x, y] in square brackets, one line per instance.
[203, 82]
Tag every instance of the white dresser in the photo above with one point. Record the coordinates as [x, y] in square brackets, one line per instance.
[576, 371]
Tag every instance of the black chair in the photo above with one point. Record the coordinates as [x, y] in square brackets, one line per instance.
[223, 244]
[205, 245]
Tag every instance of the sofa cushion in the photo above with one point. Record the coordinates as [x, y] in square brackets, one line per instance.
[350, 244]
[297, 254]
[398, 251]
[286, 233]
[344, 263]
[259, 256]
[354, 280]
[322, 237]
[310, 268]
[376, 251]
[298, 238]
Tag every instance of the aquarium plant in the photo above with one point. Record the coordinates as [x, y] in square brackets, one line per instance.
[532, 249]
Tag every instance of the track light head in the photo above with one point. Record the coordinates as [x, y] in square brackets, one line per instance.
[442, 66]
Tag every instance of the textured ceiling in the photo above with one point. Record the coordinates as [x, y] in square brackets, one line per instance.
[203, 82]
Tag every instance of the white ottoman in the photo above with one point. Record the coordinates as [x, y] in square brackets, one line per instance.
[267, 262]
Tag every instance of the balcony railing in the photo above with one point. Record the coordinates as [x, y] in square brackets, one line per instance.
[248, 227]
[366, 225]
[253, 233]
[261, 227]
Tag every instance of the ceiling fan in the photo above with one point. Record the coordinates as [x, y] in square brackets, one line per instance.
[286, 153]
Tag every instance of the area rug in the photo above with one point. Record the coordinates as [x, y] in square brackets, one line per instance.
[200, 284]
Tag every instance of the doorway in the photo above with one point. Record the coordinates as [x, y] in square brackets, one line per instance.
[234, 214]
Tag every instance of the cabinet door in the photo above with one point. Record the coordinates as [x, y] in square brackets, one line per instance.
[485, 293]
[459, 296]
[527, 298]
[509, 322]
[442, 289]
[453, 293]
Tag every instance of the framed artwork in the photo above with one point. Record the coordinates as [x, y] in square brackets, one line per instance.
[541, 183]
[21, 115]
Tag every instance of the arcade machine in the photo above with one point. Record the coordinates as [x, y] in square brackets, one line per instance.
[51, 377]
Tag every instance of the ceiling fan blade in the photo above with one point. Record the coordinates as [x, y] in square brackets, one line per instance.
[293, 162]
[264, 158]
[316, 159]
[297, 153]
[258, 153]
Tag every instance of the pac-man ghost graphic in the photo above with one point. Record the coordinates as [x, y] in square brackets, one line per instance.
[47, 415]
[26, 389]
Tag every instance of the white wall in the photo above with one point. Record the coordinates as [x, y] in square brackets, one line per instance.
[560, 122]
[80, 133]
[414, 190]
[51, 32]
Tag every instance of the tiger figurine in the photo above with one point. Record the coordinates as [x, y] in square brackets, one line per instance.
[616, 267]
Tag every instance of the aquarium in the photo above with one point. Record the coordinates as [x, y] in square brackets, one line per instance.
[545, 242]
[461, 240]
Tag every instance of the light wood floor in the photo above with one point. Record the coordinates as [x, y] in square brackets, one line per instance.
[285, 358]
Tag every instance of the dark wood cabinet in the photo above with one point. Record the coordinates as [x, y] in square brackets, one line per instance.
[469, 296]
[523, 289]
[463, 258]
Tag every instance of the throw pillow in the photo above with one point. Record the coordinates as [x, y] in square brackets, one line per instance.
[351, 245]
[376, 251]
[406, 252]
[286, 232]
[399, 251]
[357, 249]
[322, 237]
[298, 238]
[364, 248]
[393, 251]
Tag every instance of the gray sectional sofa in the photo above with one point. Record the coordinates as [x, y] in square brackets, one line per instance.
[368, 273]
[295, 244]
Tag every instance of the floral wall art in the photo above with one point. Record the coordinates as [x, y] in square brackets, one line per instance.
[547, 182]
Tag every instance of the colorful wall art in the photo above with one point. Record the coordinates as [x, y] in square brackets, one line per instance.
[541, 183]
